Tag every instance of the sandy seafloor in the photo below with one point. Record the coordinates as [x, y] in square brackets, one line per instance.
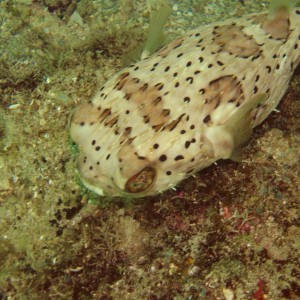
[231, 232]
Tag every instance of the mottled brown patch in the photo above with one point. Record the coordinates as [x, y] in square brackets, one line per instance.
[148, 100]
[85, 113]
[127, 153]
[278, 26]
[232, 39]
[167, 49]
[225, 89]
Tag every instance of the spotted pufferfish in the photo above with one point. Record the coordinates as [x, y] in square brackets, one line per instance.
[164, 118]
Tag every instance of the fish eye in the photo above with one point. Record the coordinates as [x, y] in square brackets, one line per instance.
[140, 181]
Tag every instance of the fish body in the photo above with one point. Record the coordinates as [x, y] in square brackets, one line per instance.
[192, 103]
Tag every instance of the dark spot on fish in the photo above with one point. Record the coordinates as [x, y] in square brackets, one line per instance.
[206, 119]
[255, 57]
[186, 99]
[178, 46]
[157, 100]
[144, 87]
[179, 157]
[190, 171]
[190, 79]
[163, 158]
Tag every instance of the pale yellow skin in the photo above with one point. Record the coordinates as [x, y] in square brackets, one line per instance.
[170, 115]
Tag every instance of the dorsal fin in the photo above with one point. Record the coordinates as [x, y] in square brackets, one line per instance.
[155, 36]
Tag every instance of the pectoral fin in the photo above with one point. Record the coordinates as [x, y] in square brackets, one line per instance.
[227, 138]
[240, 123]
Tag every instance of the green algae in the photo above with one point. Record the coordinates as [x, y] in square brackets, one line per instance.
[229, 227]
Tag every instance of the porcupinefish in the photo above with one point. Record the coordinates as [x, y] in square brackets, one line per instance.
[188, 105]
